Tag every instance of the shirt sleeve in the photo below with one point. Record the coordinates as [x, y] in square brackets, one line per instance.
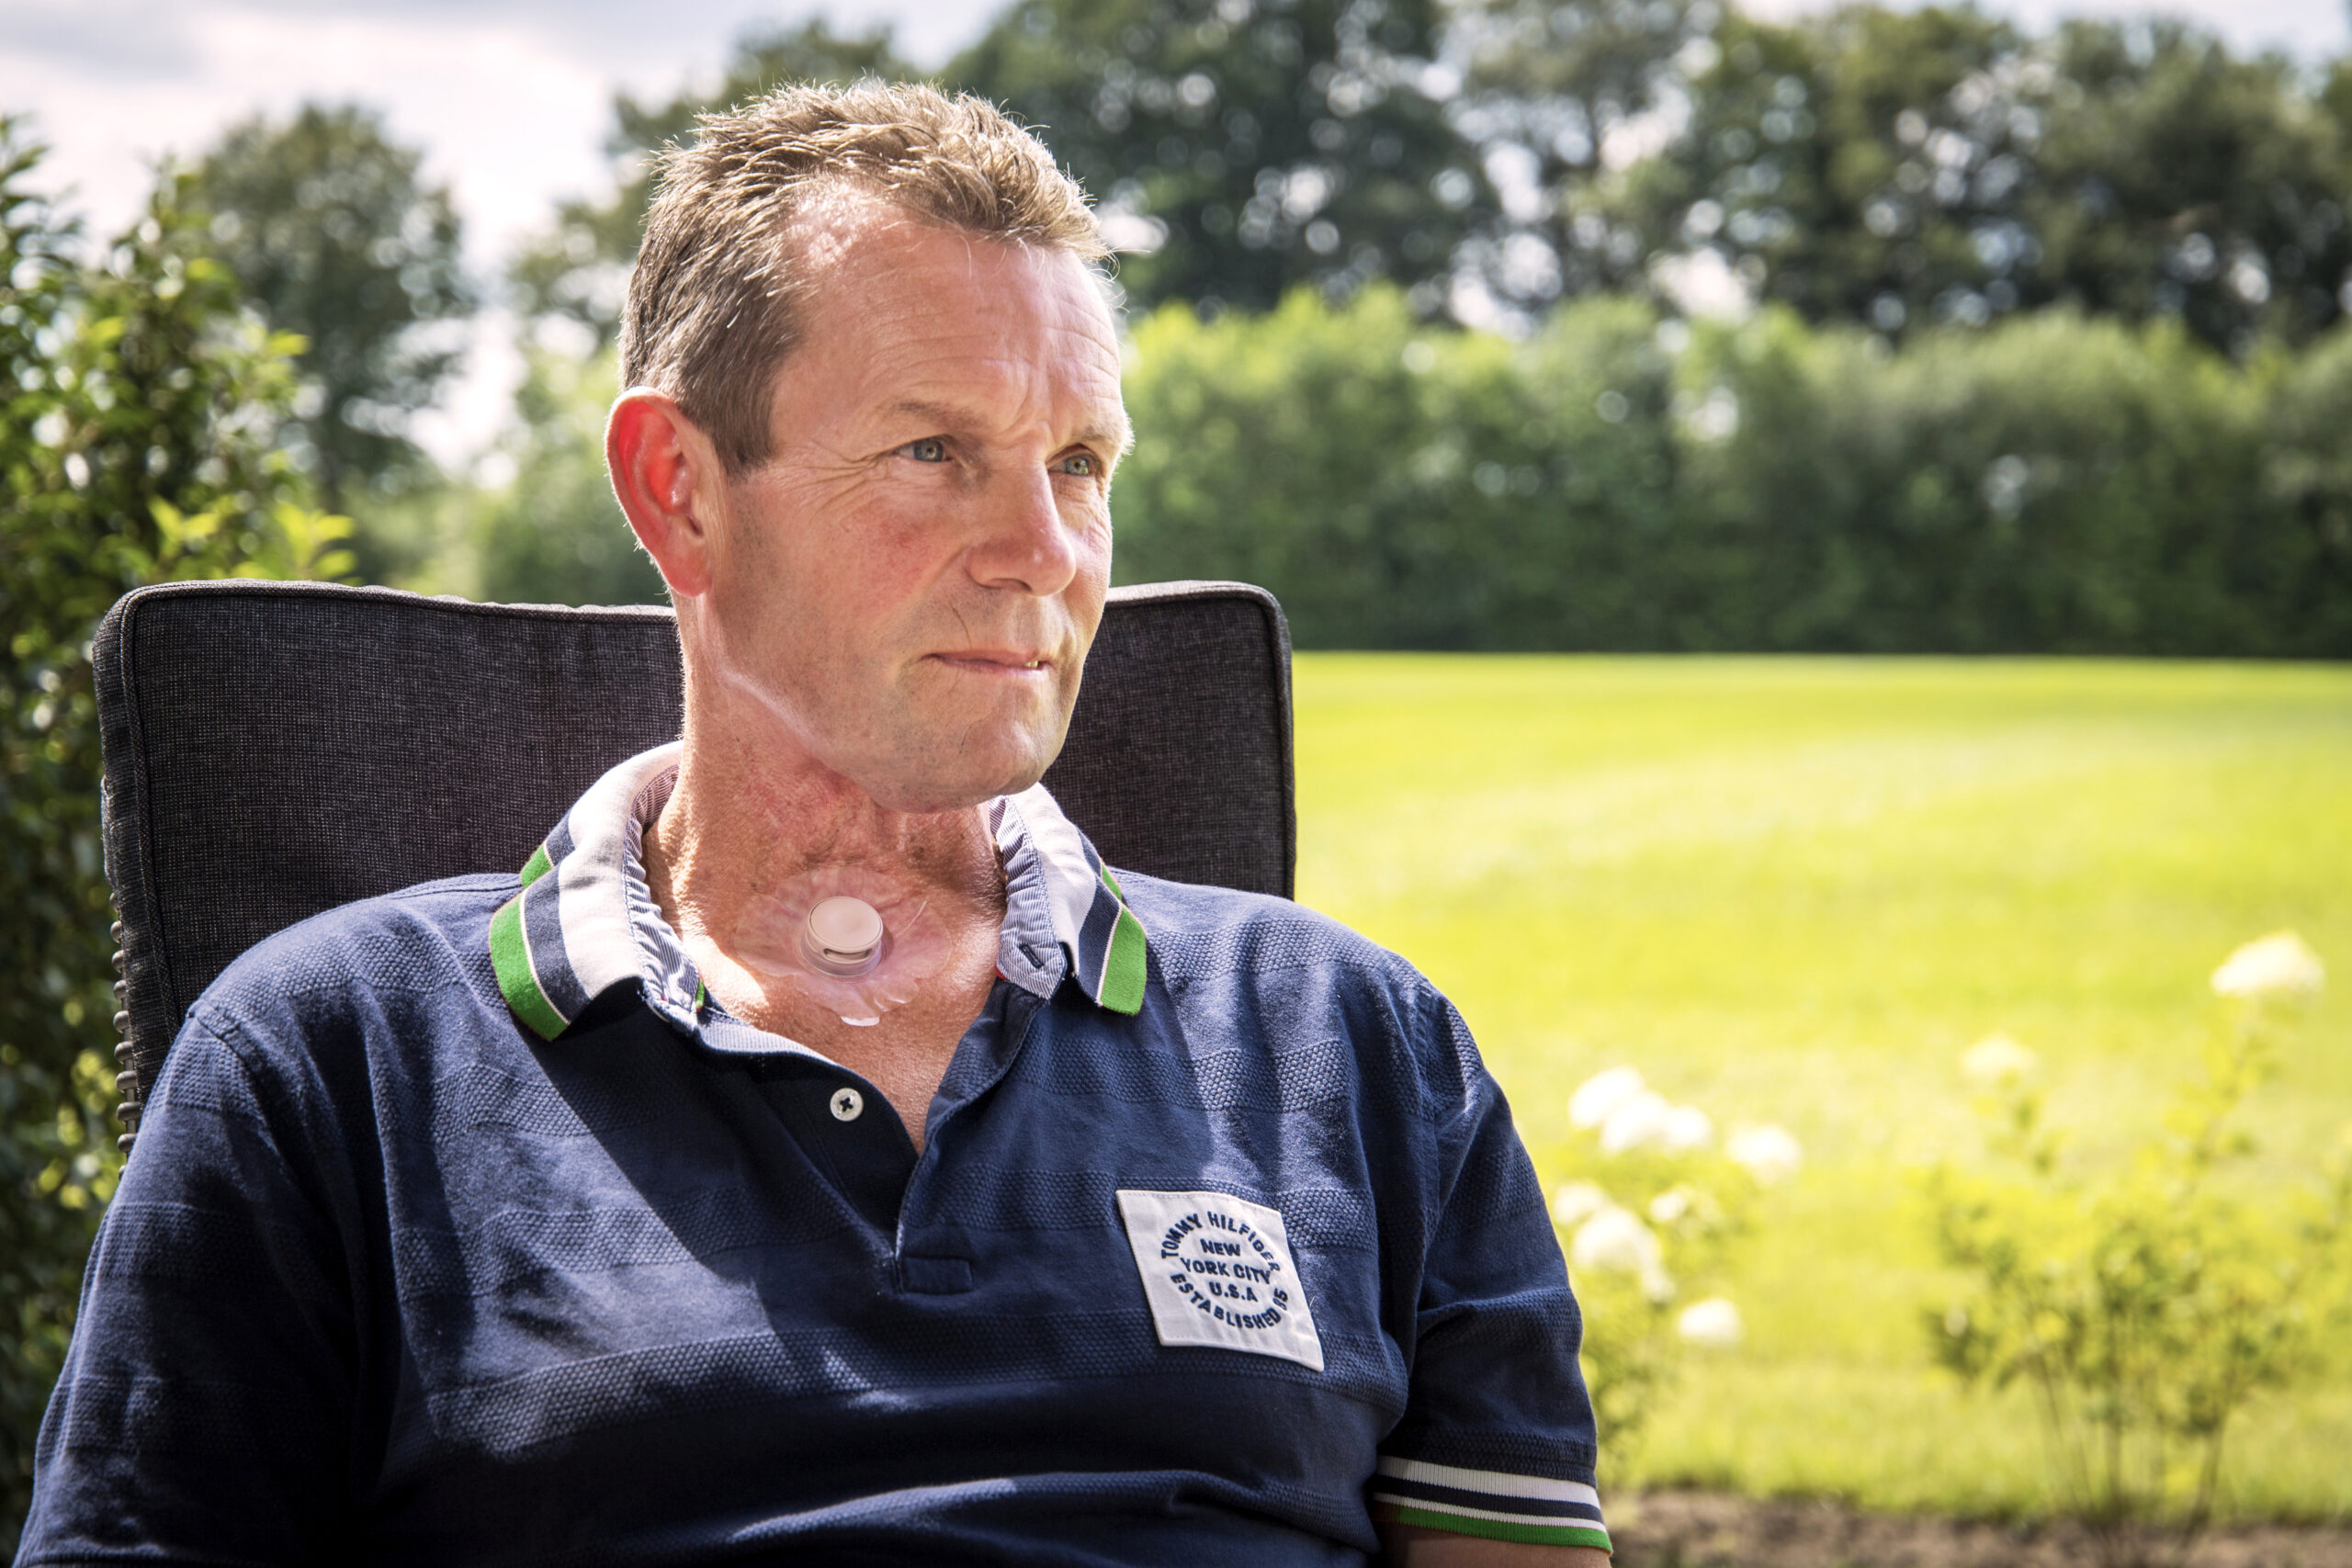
[1496, 1439]
[204, 1411]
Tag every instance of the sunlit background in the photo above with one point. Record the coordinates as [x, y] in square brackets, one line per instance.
[1821, 547]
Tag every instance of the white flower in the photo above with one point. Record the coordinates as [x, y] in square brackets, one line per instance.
[1670, 1205]
[1714, 1323]
[1997, 1062]
[1601, 1094]
[1636, 1123]
[1686, 1128]
[2279, 964]
[1769, 1154]
[1616, 1241]
[1577, 1202]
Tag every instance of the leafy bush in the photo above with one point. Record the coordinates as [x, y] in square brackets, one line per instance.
[2308, 473]
[1649, 1218]
[2145, 1307]
[1399, 487]
[1620, 481]
[139, 394]
[2056, 485]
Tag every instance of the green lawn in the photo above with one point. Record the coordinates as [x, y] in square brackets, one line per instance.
[1793, 890]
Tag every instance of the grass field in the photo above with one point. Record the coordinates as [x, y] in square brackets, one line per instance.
[1794, 890]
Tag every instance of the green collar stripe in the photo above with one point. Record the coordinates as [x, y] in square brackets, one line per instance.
[1122, 966]
[539, 865]
[510, 957]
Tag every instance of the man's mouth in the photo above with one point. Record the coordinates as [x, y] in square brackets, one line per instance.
[994, 661]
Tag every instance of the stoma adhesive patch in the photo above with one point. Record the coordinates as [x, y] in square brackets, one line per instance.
[851, 940]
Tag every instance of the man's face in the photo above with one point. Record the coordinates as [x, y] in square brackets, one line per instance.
[911, 581]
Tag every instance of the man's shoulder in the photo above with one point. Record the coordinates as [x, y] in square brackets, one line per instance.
[418, 941]
[1197, 932]
[1252, 971]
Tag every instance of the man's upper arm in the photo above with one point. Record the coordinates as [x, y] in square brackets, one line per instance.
[204, 1412]
[1497, 1441]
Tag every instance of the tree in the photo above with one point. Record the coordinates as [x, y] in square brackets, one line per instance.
[578, 271]
[2177, 180]
[331, 232]
[1899, 168]
[1251, 146]
[134, 447]
[554, 533]
[1239, 147]
[1557, 95]
[1838, 167]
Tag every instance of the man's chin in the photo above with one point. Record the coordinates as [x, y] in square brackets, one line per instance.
[942, 779]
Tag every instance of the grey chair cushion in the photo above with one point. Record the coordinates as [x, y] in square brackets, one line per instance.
[273, 750]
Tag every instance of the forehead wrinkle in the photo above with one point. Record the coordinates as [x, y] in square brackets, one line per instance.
[1049, 387]
[1023, 341]
[979, 328]
[1102, 425]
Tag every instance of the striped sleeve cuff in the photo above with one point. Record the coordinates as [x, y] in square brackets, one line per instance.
[1487, 1503]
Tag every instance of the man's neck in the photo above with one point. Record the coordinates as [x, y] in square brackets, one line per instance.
[753, 810]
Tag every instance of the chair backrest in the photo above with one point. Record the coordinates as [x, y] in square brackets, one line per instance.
[273, 750]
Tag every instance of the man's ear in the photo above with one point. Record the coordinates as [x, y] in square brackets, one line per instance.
[666, 476]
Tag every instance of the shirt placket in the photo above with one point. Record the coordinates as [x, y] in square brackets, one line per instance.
[935, 1258]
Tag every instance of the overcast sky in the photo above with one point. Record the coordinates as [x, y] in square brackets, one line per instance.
[511, 99]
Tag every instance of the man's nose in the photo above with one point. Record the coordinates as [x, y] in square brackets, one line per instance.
[1025, 543]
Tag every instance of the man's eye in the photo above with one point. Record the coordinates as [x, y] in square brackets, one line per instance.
[930, 450]
[1080, 464]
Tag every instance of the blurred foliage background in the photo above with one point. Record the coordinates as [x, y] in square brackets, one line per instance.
[136, 445]
[1611, 324]
[1462, 324]
[1619, 325]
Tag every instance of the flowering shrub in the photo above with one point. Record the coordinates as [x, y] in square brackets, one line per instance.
[2142, 1307]
[1648, 1214]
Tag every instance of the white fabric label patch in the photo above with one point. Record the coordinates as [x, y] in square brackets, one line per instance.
[1218, 1271]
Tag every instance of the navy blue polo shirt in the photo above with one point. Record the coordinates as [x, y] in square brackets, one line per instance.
[464, 1229]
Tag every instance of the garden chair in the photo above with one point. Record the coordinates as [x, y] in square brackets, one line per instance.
[273, 750]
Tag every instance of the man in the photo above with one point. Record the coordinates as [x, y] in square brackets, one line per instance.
[595, 1216]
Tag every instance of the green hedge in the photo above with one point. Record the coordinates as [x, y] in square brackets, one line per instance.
[2052, 485]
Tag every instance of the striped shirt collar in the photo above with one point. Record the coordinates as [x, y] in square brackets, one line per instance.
[585, 922]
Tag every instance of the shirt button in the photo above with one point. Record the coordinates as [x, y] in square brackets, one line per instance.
[848, 1104]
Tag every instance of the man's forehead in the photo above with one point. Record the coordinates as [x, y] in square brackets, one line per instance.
[915, 307]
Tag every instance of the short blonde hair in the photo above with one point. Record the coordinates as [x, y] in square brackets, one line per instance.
[714, 303]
